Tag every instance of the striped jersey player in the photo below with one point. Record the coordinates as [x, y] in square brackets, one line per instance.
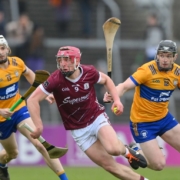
[153, 91]
[9, 84]
[154, 83]
[11, 69]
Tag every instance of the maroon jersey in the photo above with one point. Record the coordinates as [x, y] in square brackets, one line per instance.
[76, 99]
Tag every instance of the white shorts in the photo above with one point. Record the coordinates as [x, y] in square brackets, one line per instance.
[87, 136]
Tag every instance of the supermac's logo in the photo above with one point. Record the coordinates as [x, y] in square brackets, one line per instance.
[76, 100]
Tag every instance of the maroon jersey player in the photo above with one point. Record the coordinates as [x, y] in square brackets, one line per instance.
[76, 99]
[72, 86]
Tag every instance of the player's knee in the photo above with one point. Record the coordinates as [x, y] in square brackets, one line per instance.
[158, 166]
[12, 155]
[114, 151]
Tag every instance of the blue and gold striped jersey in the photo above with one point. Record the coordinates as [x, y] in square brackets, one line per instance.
[152, 92]
[9, 83]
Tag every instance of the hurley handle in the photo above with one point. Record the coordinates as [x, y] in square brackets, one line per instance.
[14, 106]
[28, 127]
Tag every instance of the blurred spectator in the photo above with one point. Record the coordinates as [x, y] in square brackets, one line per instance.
[1, 5]
[154, 33]
[2, 19]
[138, 61]
[86, 14]
[62, 15]
[22, 6]
[35, 59]
[2, 24]
[19, 33]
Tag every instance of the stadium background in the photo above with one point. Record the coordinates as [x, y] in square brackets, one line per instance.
[128, 52]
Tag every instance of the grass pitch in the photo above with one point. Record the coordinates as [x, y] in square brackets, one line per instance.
[87, 173]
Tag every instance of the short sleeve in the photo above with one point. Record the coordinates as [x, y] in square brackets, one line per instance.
[20, 62]
[95, 75]
[140, 76]
[178, 85]
[50, 84]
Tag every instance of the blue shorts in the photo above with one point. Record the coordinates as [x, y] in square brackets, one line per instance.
[143, 132]
[9, 126]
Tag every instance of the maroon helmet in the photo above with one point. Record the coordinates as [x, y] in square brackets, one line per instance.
[70, 52]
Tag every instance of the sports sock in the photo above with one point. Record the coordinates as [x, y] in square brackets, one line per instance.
[136, 148]
[62, 175]
[127, 152]
[143, 178]
[3, 165]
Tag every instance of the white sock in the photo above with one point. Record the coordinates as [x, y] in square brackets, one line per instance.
[127, 152]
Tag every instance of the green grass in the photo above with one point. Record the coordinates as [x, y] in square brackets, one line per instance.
[86, 173]
[170, 173]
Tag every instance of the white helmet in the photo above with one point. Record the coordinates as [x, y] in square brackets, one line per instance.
[3, 41]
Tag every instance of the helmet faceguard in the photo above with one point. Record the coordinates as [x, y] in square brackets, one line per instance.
[72, 53]
[166, 46]
[4, 43]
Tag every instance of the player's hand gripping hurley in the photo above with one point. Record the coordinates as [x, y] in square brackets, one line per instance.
[54, 152]
[110, 28]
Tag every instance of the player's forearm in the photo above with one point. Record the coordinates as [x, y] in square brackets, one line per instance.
[112, 89]
[120, 89]
[30, 76]
[34, 110]
[1, 110]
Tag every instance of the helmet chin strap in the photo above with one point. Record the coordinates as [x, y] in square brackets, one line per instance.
[3, 61]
